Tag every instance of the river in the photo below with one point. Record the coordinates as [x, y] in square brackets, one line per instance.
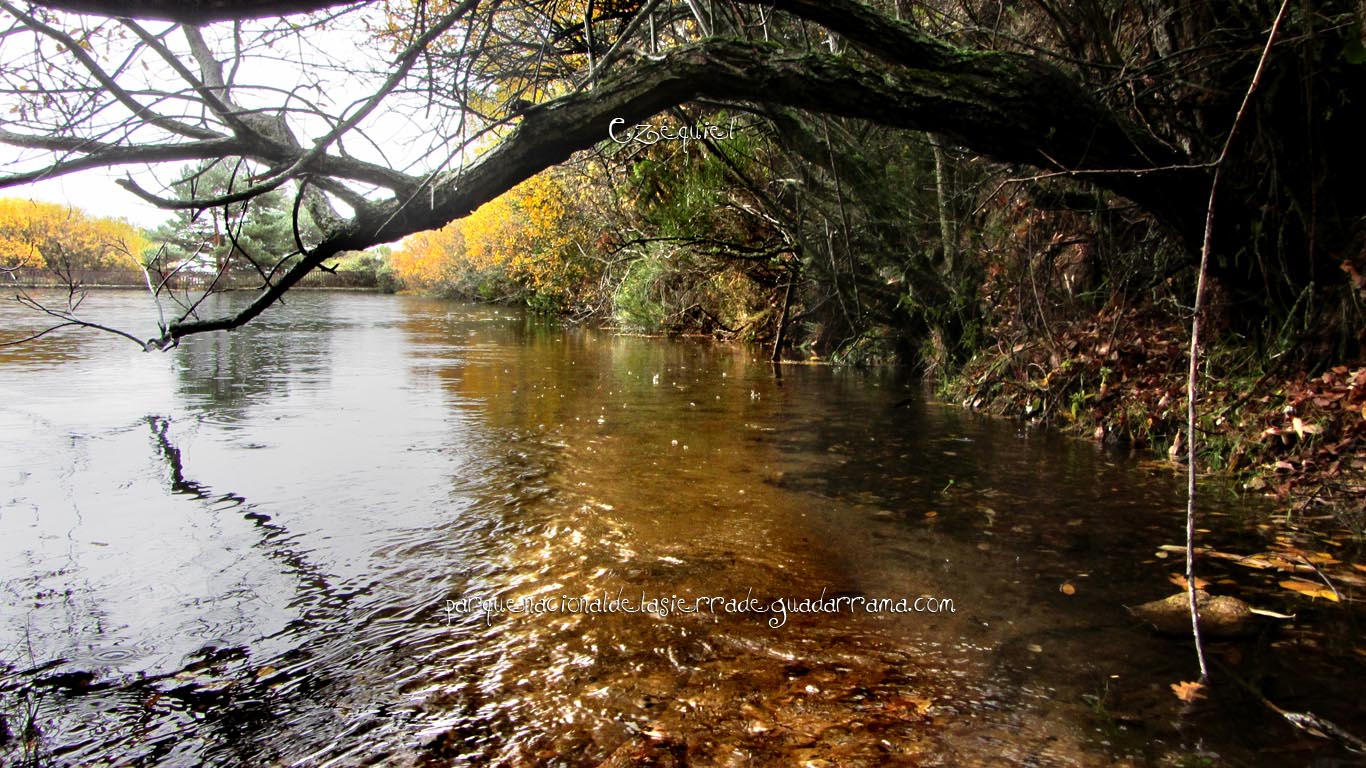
[373, 529]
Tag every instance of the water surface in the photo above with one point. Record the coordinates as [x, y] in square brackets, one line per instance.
[266, 547]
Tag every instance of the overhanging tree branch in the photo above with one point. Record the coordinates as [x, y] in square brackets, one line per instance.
[995, 105]
[1010, 107]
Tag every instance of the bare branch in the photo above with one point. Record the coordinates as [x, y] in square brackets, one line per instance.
[77, 51]
[102, 155]
[1191, 389]
[68, 319]
[209, 92]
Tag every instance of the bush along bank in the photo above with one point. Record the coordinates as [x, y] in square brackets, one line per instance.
[1292, 431]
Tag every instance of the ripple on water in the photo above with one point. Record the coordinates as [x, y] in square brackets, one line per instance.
[114, 654]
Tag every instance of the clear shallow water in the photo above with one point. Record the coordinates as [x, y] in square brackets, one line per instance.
[266, 546]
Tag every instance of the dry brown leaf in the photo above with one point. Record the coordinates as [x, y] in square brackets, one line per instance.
[1067, 589]
[1189, 691]
[908, 707]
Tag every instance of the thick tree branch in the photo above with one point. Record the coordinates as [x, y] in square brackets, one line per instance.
[1012, 108]
[100, 155]
[996, 105]
[195, 11]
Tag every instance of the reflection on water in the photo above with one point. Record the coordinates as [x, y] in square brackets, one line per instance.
[269, 546]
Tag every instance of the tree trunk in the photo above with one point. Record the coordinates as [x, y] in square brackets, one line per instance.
[946, 235]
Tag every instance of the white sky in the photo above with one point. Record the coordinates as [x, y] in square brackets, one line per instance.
[95, 191]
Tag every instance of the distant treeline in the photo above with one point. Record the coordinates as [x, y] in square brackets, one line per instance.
[30, 277]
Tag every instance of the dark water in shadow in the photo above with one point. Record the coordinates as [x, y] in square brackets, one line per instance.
[271, 547]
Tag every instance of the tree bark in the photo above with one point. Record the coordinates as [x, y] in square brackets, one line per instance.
[941, 192]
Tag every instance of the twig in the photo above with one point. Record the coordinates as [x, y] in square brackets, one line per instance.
[68, 318]
[1205, 248]
[1305, 721]
[1322, 577]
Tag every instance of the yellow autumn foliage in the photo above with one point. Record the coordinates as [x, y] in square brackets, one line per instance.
[431, 260]
[536, 235]
[48, 235]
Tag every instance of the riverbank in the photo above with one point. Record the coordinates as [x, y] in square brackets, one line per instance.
[1290, 435]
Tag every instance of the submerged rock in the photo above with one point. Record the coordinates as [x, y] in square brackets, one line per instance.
[1220, 615]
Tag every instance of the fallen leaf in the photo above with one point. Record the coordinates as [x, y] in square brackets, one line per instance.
[1067, 588]
[265, 672]
[908, 705]
[1189, 691]
[1310, 589]
[1179, 579]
